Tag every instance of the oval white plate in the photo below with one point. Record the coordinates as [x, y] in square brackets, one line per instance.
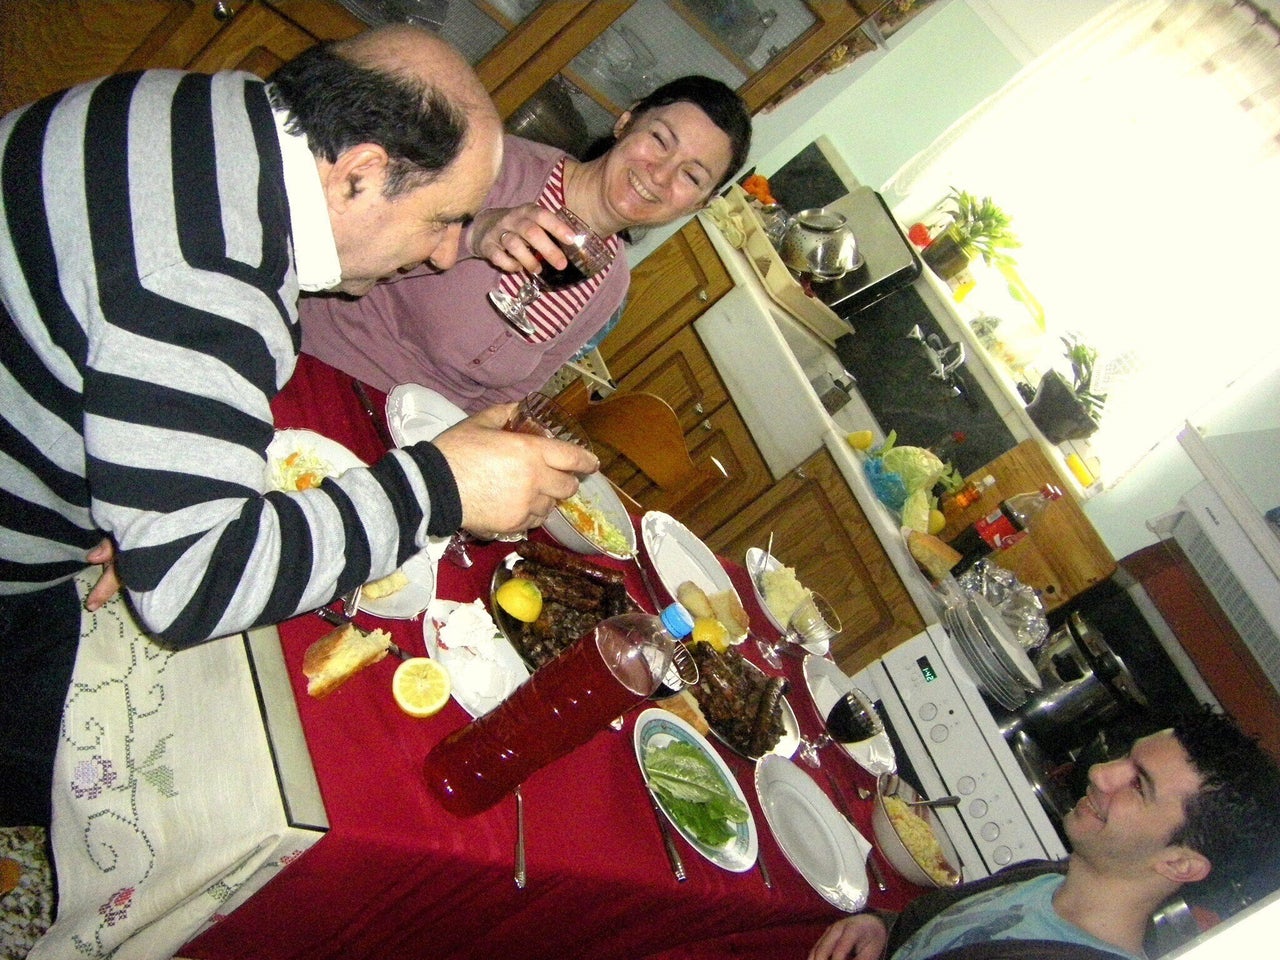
[411, 599]
[660, 727]
[481, 677]
[287, 442]
[759, 563]
[416, 413]
[594, 489]
[822, 845]
[677, 555]
[787, 744]
[827, 683]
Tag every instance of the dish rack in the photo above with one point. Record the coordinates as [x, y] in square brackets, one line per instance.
[590, 368]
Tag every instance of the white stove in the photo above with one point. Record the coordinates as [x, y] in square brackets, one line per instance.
[955, 747]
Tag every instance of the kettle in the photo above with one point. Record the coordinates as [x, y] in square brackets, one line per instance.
[819, 243]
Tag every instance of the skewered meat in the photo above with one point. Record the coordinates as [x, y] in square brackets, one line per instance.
[742, 704]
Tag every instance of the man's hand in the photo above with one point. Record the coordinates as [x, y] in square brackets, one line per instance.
[513, 238]
[859, 937]
[509, 482]
[109, 583]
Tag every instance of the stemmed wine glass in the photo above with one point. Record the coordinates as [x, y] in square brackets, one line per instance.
[588, 255]
[851, 719]
[813, 621]
[541, 416]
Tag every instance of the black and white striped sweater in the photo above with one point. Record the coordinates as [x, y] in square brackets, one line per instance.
[148, 319]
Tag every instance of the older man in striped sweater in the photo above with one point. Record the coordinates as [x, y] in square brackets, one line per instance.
[155, 231]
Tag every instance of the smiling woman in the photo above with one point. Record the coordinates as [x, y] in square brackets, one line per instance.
[667, 156]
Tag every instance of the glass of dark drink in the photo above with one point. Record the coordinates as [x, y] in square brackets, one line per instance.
[851, 719]
[588, 255]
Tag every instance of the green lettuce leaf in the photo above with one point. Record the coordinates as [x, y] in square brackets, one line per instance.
[693, 791]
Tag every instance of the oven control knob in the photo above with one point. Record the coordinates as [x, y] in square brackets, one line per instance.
[978, 808]
[990, 832]
[966, 785]
[928, 711]
[939, 733]
[1002, 855]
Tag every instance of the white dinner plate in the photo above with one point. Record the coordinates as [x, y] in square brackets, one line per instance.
[827, 683]
[820, 843]
[678, 556]
[404, 604]
[758, 564]
[416, 413]
[659, 727]
[411, 599]
[1003, 643]
[337, 457]
[482, 674]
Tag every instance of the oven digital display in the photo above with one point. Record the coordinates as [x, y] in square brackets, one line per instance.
[926, 669]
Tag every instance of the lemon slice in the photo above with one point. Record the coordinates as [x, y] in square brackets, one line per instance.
[861, 439]
[421, 687]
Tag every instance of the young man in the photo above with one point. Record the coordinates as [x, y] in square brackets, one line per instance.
[155, 231]
[1191, 806]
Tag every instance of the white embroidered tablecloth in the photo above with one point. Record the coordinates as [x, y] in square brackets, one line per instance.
[168, 812]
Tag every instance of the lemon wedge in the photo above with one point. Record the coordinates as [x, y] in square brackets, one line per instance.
[712, 631]
[520, 598]
[421, 687]
[861, 439]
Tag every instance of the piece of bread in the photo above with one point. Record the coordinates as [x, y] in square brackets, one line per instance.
[685, 706]
[393, 582]
[694, 599]
[729, 611]
[339, 654]
[935, 557]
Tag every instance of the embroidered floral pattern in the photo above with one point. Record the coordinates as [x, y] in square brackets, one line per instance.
[91, 777]
[117, 908]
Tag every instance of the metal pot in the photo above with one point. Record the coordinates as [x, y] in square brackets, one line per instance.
[819, 243]
[1085, 684]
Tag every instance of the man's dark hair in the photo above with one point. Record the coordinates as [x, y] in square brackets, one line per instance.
[1235, 818]
[338, 104]
[720, 103]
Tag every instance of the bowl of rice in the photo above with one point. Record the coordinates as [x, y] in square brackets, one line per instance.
[911, 838]
[593, 521]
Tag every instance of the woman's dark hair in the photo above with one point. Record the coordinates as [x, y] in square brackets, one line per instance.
[338, 105]
[719, 102]
[1234, 820]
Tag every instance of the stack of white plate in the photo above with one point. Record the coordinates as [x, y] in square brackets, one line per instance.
[998, 663]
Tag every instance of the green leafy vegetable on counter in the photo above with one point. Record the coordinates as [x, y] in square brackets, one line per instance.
[693, 791]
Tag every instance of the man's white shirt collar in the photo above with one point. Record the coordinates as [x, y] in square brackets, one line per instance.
[314, 250]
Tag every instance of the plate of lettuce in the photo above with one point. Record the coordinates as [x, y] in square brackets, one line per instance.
[696, 790]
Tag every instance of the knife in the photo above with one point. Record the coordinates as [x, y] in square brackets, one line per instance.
[668, 841]
[872, 867]
[338, 620]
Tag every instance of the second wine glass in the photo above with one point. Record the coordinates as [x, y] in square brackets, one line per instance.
[851, 719]
[588, 254]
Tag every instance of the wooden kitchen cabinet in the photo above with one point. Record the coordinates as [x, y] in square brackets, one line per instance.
[820, 530]
[48, 46]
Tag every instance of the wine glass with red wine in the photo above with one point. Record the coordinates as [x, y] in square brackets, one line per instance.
[851, 719]
[587, 254]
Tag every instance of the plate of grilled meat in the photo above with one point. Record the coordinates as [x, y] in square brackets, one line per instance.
[745, 707]
[576, 595]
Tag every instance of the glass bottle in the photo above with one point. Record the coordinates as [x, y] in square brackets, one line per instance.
[560, 707]
[967, 495]
[1003, 527]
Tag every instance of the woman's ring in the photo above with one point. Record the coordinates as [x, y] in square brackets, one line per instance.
[502, 237]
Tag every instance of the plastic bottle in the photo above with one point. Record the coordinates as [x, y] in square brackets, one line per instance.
[967, 495]
[560, 707]
[1002, 527]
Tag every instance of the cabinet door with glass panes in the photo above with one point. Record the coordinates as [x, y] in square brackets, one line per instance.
[561, 71]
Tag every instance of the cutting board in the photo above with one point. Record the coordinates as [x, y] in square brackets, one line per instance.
[1064, 556]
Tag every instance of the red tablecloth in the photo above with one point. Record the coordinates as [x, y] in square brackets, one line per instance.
[396, 876]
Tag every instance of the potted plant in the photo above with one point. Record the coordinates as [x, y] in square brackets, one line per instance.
[1069, 410]
[978, 227]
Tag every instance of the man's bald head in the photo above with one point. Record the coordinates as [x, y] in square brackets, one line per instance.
[397, 86]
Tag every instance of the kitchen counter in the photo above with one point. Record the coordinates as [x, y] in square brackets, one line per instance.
[766, 359]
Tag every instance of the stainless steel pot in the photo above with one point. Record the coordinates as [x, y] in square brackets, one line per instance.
[819, 243]
[1085, 685]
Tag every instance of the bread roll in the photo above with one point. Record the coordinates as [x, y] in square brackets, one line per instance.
[934, 556]
[729, 611]
[339, 654]
[695, 600]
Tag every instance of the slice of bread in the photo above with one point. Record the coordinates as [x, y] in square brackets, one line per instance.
[340, 653]
[684, 706]
[694, 599]
[934, 556]
[729, 611]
